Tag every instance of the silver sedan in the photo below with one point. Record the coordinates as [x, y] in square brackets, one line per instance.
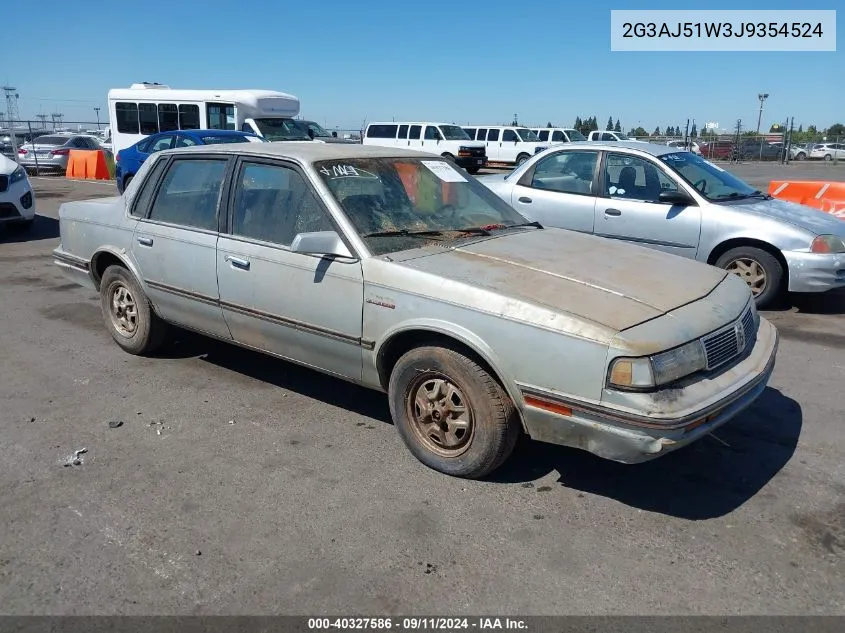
[396, 270]
[678, 202]
[51, 152]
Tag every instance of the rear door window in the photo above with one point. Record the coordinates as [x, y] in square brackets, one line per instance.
[190, 193]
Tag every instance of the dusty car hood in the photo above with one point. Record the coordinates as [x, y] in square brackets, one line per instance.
[798, 215]
[613, 284]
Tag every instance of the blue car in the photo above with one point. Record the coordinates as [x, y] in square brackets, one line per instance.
[129, 160]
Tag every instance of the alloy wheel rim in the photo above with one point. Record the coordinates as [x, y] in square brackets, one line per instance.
[123, 311]
[751, 272]
[441, 417]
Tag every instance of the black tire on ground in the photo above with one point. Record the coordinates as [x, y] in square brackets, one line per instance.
[448, 156]
[127, 313]
[521, 159]
[473, 170]
[485, 437]
[800, 156]
[126, 182]
[743, 260]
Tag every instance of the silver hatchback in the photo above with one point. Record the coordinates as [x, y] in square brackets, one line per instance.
[678, 202]
[51, 152]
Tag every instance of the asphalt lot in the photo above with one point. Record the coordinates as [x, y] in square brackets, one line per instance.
[239, 484]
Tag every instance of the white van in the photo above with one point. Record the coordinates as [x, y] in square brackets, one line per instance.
[558, 134]
[506, 144]
[445, 139]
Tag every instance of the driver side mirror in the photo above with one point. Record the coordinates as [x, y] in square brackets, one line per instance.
[676, 197]
[326, 243]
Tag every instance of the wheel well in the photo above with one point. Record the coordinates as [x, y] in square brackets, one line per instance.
[396, 346]
[102, 261]
[724, 247]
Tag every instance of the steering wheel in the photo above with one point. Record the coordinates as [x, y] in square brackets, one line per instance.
[701, 182]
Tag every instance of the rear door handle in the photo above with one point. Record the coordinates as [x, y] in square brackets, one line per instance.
[145, 241]
[237, 262]
[613, 212]
[525, 200]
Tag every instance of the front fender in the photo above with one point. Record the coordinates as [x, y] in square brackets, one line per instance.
[457, 332]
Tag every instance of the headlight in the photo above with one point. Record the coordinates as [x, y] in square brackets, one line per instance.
[18, 174]
[660, 369]
[828, 244]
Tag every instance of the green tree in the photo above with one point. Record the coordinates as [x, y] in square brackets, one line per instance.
[800, 129]
[693, 132]
[549, 124]
[811, 129]
[609, 124]
[638, 132]
[837, 129]
[776, 127]
[656, 131]
[669, 131]
[578, 123]
[618, 126]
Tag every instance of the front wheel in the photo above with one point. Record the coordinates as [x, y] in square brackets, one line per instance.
[127, 312]
[448, 156]
[801, 156]
[520, 160]
[473, 170]
[451, 413]
[759, 269]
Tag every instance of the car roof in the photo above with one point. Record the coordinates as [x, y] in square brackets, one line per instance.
[307, 151]
[654, 149]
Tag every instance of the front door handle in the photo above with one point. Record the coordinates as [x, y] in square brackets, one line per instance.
[614, 212]
[145, 241]
[237, 262]
[525, 200]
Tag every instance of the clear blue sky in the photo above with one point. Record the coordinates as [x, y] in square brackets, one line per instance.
[437, 60]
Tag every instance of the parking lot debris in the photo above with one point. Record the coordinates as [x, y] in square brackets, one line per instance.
[115, 424]
[231, 421]
[75, 459]
[199, 553]
[159, 425]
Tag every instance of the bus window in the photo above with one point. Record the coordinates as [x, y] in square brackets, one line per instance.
[189, 117]
[168, 117]
[221, 116]
[148, 118]
[127, 117]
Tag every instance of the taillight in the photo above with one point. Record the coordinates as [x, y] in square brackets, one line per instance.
[22, 151]
[60, 152]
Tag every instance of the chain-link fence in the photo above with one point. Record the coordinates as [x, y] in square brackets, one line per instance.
[16, 142]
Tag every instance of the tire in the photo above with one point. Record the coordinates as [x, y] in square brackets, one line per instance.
[745, 261]
[828, 157]
[801, 156]
[472, 170]
[126, 182]
[133, 325]
[491, 424]
[520, 160]
[448, 156]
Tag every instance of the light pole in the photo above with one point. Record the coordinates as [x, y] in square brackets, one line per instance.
[762, 97]
[97, 111]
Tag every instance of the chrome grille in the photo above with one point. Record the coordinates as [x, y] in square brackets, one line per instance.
[729, 342]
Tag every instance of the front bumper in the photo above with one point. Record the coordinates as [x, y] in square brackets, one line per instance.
[17, 203]
[628, 437]
[471, 161]
[815, 272]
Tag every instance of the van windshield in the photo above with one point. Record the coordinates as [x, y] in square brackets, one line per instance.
[454, 133]
[527, 135]
[279, 129]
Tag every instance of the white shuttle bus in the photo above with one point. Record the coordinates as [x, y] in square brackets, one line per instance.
[149, 108]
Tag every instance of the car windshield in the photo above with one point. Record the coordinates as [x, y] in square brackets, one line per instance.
[575, 135]
[278, 129]
[711, 181]
[315, 128]
[527, 135]
[454, 133]
[225, 138]
[390, 201]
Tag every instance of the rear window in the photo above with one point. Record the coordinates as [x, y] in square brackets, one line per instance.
[52, 140]
[228, 138]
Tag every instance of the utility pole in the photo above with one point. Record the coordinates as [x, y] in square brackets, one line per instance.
[12, 114]
[762, 97]
[43, 119]
[57, 117]
[735, 154]
[97, 111]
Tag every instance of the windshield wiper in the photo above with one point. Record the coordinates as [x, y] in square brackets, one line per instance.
[744, 196]
[402, 233]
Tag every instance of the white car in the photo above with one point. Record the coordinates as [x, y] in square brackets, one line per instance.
[611, 136]
[828, 151]
[17, 202]
[694, 147]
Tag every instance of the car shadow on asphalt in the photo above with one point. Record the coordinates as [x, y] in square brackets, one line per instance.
[43, 228]
[832, 302]
[707, 479]
[280, 373]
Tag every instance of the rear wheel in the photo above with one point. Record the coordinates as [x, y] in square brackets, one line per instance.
[759, 269]
[451, 413]
[127, 312]
[126, 182]
[828, 157]
[801, 156]
[473, 170]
